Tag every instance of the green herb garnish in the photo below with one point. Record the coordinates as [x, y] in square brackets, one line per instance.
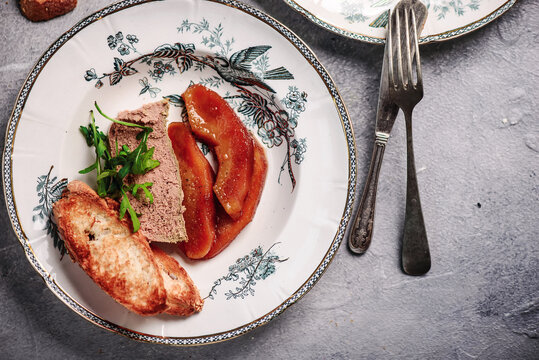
[112, 170]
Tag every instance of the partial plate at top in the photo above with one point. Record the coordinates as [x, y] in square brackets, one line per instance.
[366, 20]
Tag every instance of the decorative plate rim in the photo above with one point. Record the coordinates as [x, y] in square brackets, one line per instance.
[451, 34]
[7, 180]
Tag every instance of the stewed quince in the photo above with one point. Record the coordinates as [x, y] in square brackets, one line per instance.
[212, 222]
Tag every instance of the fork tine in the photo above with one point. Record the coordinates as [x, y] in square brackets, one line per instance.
[399, 50]
[409, 76]
[417, 58]
[389, 46]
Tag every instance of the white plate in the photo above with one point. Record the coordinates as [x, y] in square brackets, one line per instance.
[366, 20]
[296, 230]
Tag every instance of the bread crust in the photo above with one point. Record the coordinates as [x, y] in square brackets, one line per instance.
[118, 260]
[183, 297]
[40, 10]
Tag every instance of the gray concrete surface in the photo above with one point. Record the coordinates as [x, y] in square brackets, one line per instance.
[477, 148]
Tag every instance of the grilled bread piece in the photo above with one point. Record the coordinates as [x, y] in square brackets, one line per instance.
[119, 261]
[183, 297]
[161, 220]
[40, 10]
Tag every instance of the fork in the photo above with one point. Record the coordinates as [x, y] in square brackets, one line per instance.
[406, 94]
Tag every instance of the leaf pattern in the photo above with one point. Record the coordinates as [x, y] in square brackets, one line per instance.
[255, 106]
[457, 7]
[246, 271]
[167, 51]
[359, 12]
[128, 70]
[49, 190]
[115, 78]
[118, 64]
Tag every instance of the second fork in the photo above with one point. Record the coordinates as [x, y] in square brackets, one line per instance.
[406, 94]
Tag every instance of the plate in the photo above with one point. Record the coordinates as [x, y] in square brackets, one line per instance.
[135, 52]
[366, 20]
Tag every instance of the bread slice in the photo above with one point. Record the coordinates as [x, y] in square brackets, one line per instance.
[41, 10]
[183, 297]
[119, 261]
[162, 220]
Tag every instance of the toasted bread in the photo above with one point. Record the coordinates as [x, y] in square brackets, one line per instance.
[119, 261]
[183, 297]
[162, 220]
[40, 10]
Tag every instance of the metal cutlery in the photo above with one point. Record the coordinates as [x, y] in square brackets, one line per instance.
[362, 227]
[415, 253]
[406, 90]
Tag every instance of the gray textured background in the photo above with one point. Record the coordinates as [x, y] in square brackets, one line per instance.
[477, 148]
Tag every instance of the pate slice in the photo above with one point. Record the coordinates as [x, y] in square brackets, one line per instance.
[162, 220]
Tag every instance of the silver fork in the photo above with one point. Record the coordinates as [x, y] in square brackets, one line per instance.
[406, 93]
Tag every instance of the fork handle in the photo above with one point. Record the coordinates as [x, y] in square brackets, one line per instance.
[361, 232]
[415, 247]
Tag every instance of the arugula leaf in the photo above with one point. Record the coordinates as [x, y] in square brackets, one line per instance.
[112, 170]
[88, 169]
[125, 123]
[144, 188]
[105, 174]
[126, 205]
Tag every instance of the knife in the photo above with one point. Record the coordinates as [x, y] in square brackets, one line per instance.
[362, 228]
